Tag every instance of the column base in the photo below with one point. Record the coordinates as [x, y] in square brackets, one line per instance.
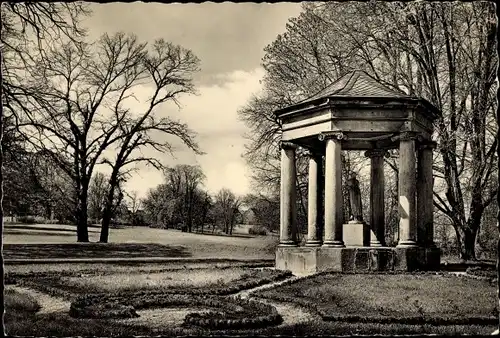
[287, 243]
[406, 244]
[333, 244]
[376, 244]
[313, 243]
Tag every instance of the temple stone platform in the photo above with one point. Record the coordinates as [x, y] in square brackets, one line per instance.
[309, 260]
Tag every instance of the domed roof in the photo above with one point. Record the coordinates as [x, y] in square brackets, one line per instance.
[357, 84]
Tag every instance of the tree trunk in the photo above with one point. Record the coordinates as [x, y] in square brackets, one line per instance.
[2, 287]
[82, 233]
[106, 220]
[498, 221]
[108, 208]
[466, 240]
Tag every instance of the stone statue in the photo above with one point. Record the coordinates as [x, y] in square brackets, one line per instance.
[355, 200]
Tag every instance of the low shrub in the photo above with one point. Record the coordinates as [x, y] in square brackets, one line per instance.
[253, 314]
[257, 230]
[110, 310]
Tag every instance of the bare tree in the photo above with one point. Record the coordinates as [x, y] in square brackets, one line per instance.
[97, 194]
[182, 189]
[18, 21]
[226, 209]
[265, 209]
[170, 68]
[80, 107]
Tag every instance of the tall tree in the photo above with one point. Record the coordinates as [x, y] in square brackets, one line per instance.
[170, 69]
[80, 105]
[97, 193]
[19, 22]
[180, 199]
[226, 209]
[265, 209]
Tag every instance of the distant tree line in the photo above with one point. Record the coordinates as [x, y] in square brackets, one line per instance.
[182, 202]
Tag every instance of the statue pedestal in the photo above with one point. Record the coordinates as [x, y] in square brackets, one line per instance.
[356, 234]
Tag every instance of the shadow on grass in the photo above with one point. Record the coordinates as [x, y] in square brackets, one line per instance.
[32, 227]
[61, 324]
[58, 324]
[37, 233]
[463, 266]
[223, 235]
[92, 250]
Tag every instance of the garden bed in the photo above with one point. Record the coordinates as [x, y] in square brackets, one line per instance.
[391, 298]
[212, 281]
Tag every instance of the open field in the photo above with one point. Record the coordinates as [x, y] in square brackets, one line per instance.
[171, 243]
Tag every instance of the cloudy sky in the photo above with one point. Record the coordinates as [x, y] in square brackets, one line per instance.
[229, 39]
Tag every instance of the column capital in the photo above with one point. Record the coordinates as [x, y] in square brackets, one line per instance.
[286, 145]
[377, 153]
[336, 135]
[410, 136]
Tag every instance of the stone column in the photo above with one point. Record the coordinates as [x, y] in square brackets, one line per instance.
[425, 205]
[407, 189]
[377, 206]
[314, 200]
[334, 217]
[288, 219]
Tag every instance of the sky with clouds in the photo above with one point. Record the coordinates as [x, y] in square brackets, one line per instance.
[229, 39]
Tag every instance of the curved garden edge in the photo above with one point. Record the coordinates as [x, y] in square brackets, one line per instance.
[53, 286]
[419, 319]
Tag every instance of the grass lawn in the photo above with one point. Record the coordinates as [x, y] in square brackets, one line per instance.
[170, 243]
[129, 279]
[18, 305]
[73, 269]
[391, 296]
[161, 280]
